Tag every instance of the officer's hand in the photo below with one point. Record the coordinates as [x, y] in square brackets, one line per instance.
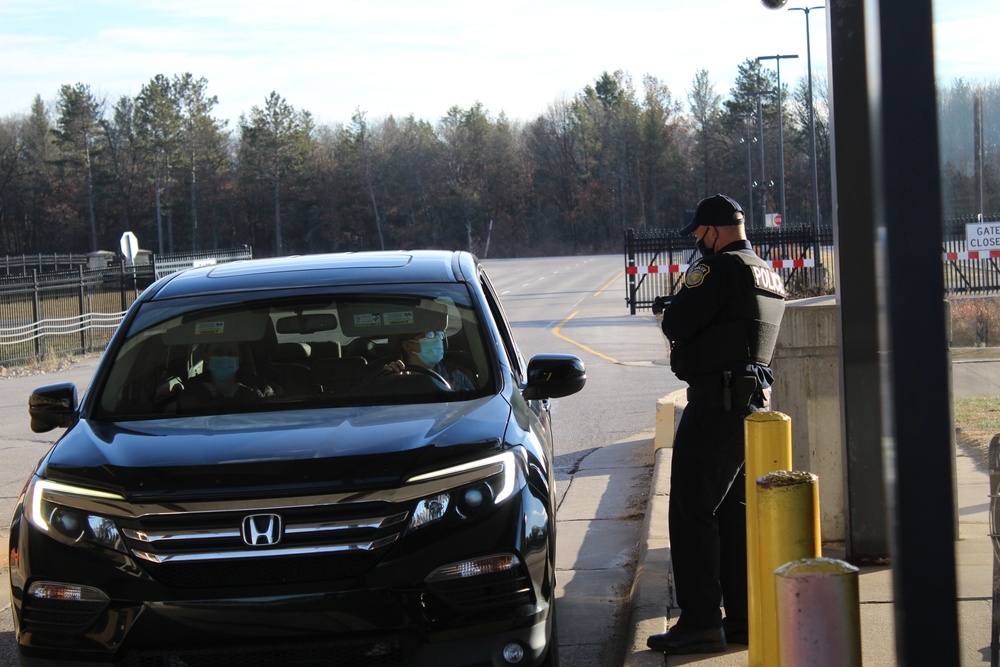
[660, 304]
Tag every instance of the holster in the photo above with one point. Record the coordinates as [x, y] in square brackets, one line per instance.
[727, 391]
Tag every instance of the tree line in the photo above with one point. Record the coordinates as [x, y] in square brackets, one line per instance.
[76, 173]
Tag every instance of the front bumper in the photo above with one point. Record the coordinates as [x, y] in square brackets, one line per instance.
[390, 614]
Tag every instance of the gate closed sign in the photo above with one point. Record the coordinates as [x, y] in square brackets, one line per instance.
[982, 236]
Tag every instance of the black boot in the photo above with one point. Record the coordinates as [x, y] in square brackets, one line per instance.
[680, 640]
[736, 632]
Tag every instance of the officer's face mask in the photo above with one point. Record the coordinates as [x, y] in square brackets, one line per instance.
[703, 247]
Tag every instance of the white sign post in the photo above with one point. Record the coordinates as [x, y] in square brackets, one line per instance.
[130, 246]
[982, 236]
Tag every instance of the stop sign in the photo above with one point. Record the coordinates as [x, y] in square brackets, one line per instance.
[130, 246]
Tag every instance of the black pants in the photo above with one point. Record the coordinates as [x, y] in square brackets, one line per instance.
[708, 515]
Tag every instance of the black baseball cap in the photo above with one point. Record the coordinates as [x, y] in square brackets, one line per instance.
[715, 211]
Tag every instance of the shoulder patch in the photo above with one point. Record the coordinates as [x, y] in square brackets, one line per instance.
[696, 275]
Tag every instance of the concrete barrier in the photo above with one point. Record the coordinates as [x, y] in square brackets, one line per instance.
[807, 389]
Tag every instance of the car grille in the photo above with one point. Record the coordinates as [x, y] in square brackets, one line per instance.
[384, 651]
[209, 549]
[266, 571]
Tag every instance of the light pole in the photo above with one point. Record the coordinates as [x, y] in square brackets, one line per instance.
[749, 139]
[781, 142]
[812, 129]
[760, 147]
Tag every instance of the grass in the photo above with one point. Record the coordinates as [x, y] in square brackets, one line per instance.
[977, 420]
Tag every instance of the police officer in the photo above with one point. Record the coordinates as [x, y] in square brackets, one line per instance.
[722, 326]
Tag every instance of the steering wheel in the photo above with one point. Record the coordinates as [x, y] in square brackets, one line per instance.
[438, 379]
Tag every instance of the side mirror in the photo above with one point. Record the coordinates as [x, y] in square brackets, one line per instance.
[53, 406]
[554, 376]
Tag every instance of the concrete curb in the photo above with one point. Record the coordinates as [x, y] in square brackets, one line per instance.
[652, 592]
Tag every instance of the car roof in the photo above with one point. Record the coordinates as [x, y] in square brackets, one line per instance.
[353, 268]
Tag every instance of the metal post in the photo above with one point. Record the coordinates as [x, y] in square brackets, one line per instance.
[37, 312]
[748, 140]
[812, 138]
[977, 122]
[917, 435]
[83, 313]
[630, 258]
[781, 139]
[760, 148]
[788, 529]
[819, 613]
[854, 261]
[995, 534]
[768, 443]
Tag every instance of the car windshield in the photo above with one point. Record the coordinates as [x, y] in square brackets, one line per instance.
[225, 354]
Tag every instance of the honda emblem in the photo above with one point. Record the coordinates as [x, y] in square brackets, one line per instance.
[262, 529]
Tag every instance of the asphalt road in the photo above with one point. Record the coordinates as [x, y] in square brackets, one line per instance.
[573, 305]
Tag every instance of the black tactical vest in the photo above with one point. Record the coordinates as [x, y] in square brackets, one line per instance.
[742, 333]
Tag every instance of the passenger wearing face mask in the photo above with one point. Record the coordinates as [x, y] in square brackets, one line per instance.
[221, 381]
[722, 326]
[426, 350]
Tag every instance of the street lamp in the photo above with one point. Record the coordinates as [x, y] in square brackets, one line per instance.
[812, 127]
[781, 144]
[748, 139]
[762, 184]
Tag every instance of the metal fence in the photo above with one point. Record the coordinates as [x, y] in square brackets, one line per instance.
[69, 312]
[25, 264]
[969, 273]
[655, 261]
[76, 312]
[164, 264]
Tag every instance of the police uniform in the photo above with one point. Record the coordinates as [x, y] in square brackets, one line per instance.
[723, 325]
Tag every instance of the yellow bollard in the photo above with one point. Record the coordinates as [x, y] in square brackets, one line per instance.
[819, 613]
[768, 444]
[788, 529]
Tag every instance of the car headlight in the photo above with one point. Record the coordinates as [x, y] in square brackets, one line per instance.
[60, 511]
[476, 486]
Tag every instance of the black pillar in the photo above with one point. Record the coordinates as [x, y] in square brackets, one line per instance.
[915, 377]
[854, 236]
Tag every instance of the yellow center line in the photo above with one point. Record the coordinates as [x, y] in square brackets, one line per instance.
[610, 283]
[557, 333]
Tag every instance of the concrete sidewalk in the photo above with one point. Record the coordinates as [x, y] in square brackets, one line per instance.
[654, 603]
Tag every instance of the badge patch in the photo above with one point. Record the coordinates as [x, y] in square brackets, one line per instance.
[696, 275]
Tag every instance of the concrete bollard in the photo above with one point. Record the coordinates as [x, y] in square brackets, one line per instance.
[788, 529]
[665, 426]
[819, 613]
[768, 445]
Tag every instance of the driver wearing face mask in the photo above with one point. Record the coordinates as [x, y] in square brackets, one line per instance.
[426, 350]
[222, 382]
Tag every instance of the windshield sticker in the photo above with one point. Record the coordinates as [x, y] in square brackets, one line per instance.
[401, 317]
[211, 328]
[368, 319]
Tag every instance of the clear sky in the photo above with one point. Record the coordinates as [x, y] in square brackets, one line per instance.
[331, 57]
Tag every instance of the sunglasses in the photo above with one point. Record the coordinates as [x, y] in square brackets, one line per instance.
[430, 335]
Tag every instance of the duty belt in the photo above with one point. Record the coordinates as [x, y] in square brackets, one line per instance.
[727, 391]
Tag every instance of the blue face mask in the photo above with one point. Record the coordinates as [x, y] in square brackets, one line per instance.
[223, 369]
[431, 351]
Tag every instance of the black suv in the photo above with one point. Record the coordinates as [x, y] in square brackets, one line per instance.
[318, 460]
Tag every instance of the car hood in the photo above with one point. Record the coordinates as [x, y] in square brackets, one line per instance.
[291, 452]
